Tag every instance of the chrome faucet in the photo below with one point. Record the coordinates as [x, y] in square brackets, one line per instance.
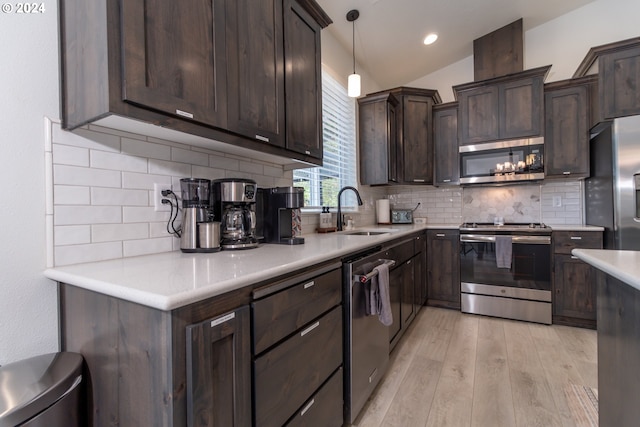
[360, 203]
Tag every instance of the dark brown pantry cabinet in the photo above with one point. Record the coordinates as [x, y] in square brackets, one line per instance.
[507, 107]
[445, 140]
[568, 106]
[411, 149]
[574, 282]
[246, 73]
[443, 268]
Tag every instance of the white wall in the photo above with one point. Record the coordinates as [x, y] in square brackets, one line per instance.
[29, 82]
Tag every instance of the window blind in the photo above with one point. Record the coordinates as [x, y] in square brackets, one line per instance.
[322, 184]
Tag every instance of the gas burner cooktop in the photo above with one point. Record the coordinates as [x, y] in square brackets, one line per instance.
[507, 227]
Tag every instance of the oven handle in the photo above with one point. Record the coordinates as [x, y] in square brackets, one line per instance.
[518, 239]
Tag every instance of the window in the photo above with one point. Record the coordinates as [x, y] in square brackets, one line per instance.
[321, 184]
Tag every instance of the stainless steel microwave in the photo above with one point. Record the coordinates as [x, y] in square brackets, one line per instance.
[502, 161]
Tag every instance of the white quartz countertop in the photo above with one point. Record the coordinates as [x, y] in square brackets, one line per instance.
[623, 265]
[569, 227]
[174, 279]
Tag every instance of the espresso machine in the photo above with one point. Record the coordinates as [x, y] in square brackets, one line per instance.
[279, 214]
[234, 205]
[199, 233]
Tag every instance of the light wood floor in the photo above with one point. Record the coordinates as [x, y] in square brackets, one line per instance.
[454, 369]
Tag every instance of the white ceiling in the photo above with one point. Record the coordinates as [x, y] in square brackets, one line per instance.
[389, 33]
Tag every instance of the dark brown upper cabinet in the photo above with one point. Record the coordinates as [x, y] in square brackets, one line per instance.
[240, 72]
[378, 139]
[412, 156]
[303, 81]
[618, 68]
[507, 107]
[445, 139]
[181, 75]
[567, 124]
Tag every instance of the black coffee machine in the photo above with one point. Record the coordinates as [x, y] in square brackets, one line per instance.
[279, 219]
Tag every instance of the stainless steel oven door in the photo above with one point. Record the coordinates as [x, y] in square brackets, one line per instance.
[530, 262]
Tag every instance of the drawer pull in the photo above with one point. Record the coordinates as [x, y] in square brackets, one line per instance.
[222, 319]
[566, 173]
[262, 138]
[306, 408]
[307, 152]
[418, 180]
[309, 329]
[576, 238]
[373, 375]
[440, 235]
[408, 262]
[310, 284]
[574, 257]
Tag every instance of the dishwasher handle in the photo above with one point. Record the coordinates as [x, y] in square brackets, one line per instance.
[364, 278]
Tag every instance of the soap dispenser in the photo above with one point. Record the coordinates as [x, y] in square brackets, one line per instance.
[325, 218]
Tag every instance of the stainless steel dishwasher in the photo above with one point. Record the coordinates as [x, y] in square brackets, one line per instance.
[366, 340]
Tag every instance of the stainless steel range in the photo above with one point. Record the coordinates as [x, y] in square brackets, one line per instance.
[505, 271]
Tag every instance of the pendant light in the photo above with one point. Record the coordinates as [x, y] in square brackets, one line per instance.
[353, 84]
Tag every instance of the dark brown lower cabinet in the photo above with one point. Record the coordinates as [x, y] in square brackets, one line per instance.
[574, 292]
[320, 410]
[443, 268]
[219, 371]
[288, 374]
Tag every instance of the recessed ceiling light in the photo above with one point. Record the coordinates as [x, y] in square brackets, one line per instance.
[430, 38]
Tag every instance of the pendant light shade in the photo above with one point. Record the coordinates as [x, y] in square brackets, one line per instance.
[353, 84]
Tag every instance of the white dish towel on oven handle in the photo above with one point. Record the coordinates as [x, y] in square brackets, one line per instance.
[503, 251]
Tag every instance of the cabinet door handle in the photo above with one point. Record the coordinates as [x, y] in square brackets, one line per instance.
[307, 152]
[309, 284]
[309, 329]
[408, 262]
[184, 114]
[566, 173]
[574, 257]
[576, 238]
[222, 319]
[306, 408]
[440, 235]
[262, 138]
[446, 180]
[418, 180]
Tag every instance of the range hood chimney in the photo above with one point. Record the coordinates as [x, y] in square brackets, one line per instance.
[499, 53]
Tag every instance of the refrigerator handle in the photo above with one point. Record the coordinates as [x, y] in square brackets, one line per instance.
[636, 194]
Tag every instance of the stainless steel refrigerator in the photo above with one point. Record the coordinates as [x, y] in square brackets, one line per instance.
[612, 193]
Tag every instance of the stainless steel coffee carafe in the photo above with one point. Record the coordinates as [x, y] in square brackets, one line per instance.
[196, 211]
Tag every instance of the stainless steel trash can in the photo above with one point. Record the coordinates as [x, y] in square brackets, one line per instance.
[42, 391]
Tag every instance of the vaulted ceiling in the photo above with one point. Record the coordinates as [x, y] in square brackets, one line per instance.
[389, 33]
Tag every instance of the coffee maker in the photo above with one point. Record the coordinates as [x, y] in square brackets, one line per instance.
[234, 205]
[198, 232]
[279, 214]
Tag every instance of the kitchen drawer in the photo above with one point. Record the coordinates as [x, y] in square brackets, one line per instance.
[324, 409]
[565, 241]
[400, 252]
[279, 315]
[287, 375]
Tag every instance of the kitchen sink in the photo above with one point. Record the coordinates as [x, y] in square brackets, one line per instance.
[365, 233]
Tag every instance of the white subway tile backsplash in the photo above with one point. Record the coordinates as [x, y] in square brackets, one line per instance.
[74, 175]
[115, 232]
[71, 195]
[143, 214]
[76, 215]
[190, 157]
[72, 234]
[85, 138]
[147, 246]
[119, 197]
[162, 167]
[119, 162]
[75, 254]
[68, 155]
[150, 150]
[159, 229]
[226, 163]
[250, 167]
[142, 181]
[207, 173]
